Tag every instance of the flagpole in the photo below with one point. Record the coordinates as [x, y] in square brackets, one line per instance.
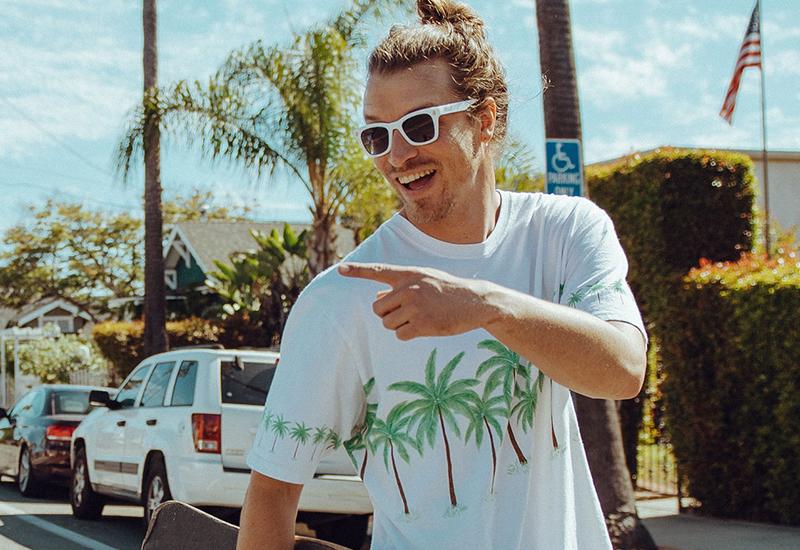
[764, 159]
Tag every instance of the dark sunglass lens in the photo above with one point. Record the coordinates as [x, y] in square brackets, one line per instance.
[419, 129]
[375, 140]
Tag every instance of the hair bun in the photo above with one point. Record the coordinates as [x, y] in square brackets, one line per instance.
[441, 12]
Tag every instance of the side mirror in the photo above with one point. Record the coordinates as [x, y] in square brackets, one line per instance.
[100, 398]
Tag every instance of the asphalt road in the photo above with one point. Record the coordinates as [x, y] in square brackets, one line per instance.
[46, 523]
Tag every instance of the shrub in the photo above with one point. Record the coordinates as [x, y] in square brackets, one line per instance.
[122, 342]
[731, 387]
[53, 359]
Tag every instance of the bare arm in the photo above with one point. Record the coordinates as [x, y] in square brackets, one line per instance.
[268, 514]
[577, 350]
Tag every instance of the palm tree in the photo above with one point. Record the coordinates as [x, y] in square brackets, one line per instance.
[484, 415]
[434, 409]
[333, 441]
[155, 292]
[392, 434]
[596, 417]
[270, 107]
[361, 439]
[525, 408]
[266, 419]
[280, 428]
[320, 436]
[300, 433]
[505, 365]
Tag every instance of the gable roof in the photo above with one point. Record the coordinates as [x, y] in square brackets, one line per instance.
[207, 241]
[43, 307]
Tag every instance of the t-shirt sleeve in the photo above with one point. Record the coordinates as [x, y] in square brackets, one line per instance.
[316, 399]
[595, 269]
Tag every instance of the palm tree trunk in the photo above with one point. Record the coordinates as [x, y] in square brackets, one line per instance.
[602, 438]
[397, 479]
[274, 441]
[453, 500]
[520, 456]
[295, 450]
[494, 453]
[155, 332]
[363, 464]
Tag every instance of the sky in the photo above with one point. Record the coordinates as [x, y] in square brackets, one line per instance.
[650, 73]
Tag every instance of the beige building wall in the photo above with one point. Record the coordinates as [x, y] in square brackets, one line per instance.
[784, 187]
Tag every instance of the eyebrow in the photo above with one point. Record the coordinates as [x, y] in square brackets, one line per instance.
[369, 119]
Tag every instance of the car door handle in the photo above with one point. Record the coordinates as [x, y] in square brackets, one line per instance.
[120, 422]
[151, 422]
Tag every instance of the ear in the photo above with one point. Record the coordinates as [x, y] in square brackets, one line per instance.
[487, 114]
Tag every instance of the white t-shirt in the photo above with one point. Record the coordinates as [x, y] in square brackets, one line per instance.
[466, 444]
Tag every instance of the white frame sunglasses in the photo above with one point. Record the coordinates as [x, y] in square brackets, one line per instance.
[434, 112]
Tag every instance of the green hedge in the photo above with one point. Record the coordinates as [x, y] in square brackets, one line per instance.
[670, 208]
[732, 387]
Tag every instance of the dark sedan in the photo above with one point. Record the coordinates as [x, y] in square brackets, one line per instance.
[35, 434]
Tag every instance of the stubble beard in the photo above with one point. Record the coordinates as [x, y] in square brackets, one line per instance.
[428, 210]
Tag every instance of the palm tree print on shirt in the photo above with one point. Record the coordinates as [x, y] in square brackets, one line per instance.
[280, 428]
[359, 441]
[525, 408]
[391, 434]
[504, 366]
[434, 409]
[484, 416]
[300, 433]
[319, 437]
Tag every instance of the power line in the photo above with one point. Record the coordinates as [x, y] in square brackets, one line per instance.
[55, 138]
[18, 185]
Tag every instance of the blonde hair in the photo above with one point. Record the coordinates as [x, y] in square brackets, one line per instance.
[453, 32]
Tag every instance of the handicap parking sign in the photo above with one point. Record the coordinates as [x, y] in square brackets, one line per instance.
[564, 172]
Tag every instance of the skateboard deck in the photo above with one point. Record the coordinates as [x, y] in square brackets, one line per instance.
[179, 526]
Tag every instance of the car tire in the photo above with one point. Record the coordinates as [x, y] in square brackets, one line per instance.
[350, 532]
[156, 488]
[27, 480]
[86, 504]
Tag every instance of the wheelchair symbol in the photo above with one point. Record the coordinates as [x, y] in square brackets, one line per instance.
[560, 161]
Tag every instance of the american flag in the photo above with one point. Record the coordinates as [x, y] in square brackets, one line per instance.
[749, 56]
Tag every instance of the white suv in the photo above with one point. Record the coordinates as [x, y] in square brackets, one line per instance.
[180, 427]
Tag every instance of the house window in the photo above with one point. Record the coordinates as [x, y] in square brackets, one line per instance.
[171, 278]
[65, 324]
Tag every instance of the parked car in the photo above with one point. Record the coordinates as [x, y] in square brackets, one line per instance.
[35, 434]
[180, 427]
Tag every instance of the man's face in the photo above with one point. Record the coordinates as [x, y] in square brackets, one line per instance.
[435, 182]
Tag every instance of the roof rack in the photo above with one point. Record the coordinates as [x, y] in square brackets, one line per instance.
[200, 346]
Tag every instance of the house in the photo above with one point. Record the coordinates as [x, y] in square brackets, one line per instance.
[192, 248]
[189, 254]
[783, 170]
[67, 316]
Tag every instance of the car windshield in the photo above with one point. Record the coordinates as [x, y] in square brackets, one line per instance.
[71, 402]
[248, 385]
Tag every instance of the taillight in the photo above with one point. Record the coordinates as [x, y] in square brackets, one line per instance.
[207, 433]
[59, 432]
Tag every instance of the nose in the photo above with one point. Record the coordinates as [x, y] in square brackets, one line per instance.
[401, 150]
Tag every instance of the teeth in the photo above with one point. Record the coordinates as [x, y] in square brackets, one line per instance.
[405, 180]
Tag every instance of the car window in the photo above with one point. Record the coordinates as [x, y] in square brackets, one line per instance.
[248, 385]
[128, 392]
[183, 393]
[156, 388]
[70, 402]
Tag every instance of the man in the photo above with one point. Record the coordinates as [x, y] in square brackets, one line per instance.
[446, 345]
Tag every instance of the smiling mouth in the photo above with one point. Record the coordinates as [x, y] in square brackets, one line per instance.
[416, 180]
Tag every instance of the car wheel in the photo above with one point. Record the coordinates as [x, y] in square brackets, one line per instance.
[86, 504]
[156, 488]
[27, 482]
[350, 532]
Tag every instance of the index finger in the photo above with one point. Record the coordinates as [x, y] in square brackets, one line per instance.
[382, 273]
